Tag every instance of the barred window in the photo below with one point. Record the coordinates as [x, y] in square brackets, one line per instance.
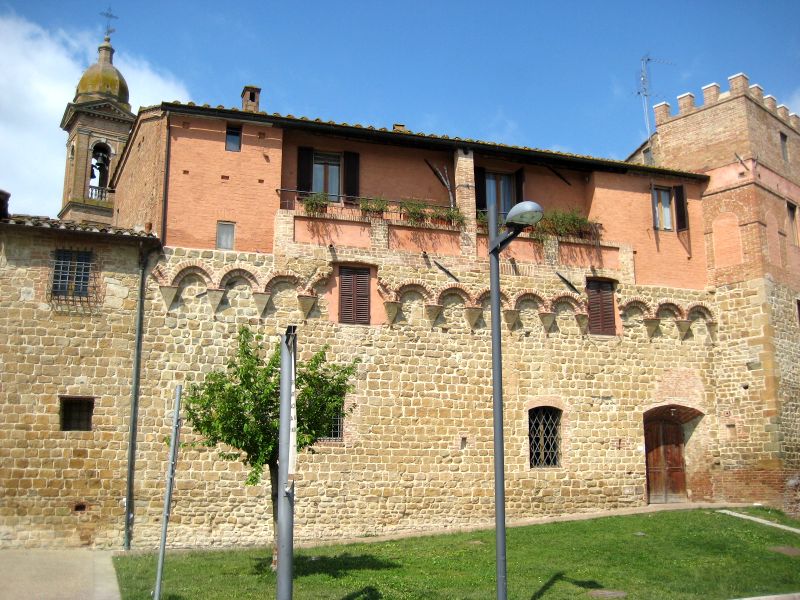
[76, 414]
[544, 436]
[337, 429]
[72, 270]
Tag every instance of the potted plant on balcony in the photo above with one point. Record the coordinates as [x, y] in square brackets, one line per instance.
[449, 215]
[374, 207]
[316, 203]
[414, 211]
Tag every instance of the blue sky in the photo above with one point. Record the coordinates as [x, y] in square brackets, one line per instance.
[557, 75]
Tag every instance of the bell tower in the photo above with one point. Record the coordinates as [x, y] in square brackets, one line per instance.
[98, 123]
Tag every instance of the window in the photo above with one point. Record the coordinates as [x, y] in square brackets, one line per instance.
[504, 189]
[791, 226]
[76, 414]
[669, 209]
[544, 436]
[72, 270]
[333, 173]
[784, 147]
[326, 174]
[354, 295]
[225, 235]
[233, 138]
[601, 307]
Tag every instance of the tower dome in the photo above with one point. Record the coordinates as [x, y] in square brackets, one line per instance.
[102, 80]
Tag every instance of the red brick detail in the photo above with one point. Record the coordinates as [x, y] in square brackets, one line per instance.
[534, 294]
[280, 276]
[457, 289]
[414, 285]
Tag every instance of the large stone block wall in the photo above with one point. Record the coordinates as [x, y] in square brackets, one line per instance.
[48, 351]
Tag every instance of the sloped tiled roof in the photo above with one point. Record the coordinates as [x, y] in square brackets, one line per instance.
[407, 136]
[48, 223]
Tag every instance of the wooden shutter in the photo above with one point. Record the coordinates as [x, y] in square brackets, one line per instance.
[354, 295]
[480, 188]
[519, 185]
[681, 216]
[654, 204]
[351, 174]
[601, 307]
[305, 168]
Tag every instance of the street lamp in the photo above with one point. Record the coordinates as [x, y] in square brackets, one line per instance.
[522, 215]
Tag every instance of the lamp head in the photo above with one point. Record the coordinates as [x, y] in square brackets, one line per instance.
[524, 214]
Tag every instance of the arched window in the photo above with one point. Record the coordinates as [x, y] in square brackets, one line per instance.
[101, 162]
[544, 436]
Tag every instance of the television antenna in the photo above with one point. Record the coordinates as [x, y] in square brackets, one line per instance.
[644, 88]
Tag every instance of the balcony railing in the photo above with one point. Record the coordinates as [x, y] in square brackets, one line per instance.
[98, 193]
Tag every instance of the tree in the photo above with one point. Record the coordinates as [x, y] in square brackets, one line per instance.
[240, 407]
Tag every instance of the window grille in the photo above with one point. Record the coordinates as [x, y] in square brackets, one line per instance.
[74, 277]
[337, 429]
[544, 435]
[76, 414]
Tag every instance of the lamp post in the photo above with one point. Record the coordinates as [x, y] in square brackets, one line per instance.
[519, 217]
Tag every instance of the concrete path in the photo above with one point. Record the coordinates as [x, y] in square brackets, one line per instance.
[758, 520]
[67, 574]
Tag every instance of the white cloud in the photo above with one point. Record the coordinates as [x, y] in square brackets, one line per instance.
[40, 71]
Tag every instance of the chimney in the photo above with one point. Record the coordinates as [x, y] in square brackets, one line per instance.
[4, 196]
[661, 111]
[710, 93]
[770, 103]
[783, 112]
[685, 103]
[738, 83]
[250, 97]
[399, 127]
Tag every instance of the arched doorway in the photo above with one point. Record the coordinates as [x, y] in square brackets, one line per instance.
[664, 448]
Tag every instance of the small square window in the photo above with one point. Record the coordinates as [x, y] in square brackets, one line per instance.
[72, 271]
[76, 414]
[233, 138]
[225, 235]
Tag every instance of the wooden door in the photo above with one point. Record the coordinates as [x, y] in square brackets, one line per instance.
[666, 477]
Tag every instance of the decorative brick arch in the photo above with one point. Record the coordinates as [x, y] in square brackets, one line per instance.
[535, 294]
[414, 285]
[458, 290]
[701, 308]
[572, 299]
[637, 302]
[159, 275]
[670, 305]
[281, 277]
[486, 292]
[320, 276]
[238, 272]
[554, 401]
[192, 267]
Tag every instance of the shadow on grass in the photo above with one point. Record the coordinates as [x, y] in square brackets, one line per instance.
[334, 566]
[560, 576]
[367, 593]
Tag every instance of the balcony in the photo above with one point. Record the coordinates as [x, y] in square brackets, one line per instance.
[98, 193]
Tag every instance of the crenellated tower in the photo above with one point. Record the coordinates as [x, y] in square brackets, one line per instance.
[97, 122]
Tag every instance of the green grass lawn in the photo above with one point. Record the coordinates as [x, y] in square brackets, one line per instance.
[697, 554]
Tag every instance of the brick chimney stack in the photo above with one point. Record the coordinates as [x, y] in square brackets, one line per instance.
[250, 98]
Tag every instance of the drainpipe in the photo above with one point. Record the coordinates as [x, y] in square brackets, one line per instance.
[144, 259]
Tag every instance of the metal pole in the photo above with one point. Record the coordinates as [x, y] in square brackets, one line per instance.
[497, 402]
[173, 459]
[285, 490]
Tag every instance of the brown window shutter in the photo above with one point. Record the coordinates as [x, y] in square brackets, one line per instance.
[654, 205]
[480, 188]
[351, 174]
[681, 216]
[601, 307]
[354, 295]
[519, 185]
[305, 168]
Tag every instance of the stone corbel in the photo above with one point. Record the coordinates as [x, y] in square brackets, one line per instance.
[168, 292]
[305, 303]
[512, 317]
[392, 307]
[432, 312]
[652, 324]
[214, 296]
[473, 313]
[261, 300]
[547, 318]
[684, 325]
[583, 322]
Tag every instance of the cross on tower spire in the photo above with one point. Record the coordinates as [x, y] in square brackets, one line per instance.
[109, 15]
